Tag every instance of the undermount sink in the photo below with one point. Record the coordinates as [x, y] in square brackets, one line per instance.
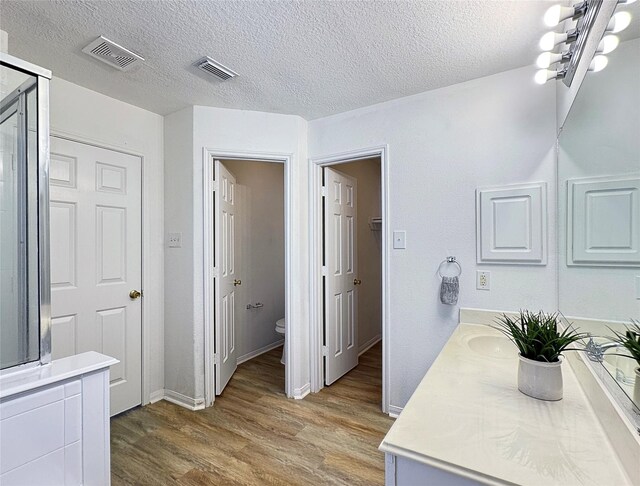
[493, 346]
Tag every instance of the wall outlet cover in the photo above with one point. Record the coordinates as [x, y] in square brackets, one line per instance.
[399, 240]
[175, 240]
[483, 280]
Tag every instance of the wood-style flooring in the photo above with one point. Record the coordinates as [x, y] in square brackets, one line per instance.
[255, 435]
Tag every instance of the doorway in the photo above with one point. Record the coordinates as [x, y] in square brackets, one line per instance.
[247, 263]
[349, 263]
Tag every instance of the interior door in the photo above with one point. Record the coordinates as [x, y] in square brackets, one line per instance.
[340, 302]
[226, 279]
[96, 261]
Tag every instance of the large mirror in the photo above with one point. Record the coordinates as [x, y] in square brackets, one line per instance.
[599, 211]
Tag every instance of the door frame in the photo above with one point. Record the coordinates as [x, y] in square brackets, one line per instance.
[209, 155]
[147, 326]
[316, 165]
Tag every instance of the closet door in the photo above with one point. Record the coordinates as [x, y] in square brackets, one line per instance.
[341, 304]
[96, 261]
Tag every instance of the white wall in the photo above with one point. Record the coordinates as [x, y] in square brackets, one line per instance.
[367, 173]
[443, 144]
[225, 130]
[87, 116]
[180, 334]
[260, 259]
[600, 138]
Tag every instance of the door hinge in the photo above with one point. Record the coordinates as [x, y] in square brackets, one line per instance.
[325, 271]
[325, 351]
[214, 186]
[323, 191]
[216, 359]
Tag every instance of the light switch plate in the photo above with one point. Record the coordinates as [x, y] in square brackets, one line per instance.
[399, 240]
[175, 240]
[483, 280]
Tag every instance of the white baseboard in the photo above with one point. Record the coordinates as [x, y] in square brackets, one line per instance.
[369, 344]
[300, 393]
[259, 351]
[394, 411]
[183, 400]
[156, 396]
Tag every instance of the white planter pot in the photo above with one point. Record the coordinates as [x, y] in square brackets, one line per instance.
[636, 389]
[539, 379]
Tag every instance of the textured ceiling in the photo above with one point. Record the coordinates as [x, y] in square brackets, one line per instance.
[310, 58]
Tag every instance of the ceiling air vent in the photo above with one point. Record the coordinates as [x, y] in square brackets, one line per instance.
[114, 55]
[214, 68]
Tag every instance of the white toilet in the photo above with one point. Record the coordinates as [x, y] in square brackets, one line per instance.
[280, 329]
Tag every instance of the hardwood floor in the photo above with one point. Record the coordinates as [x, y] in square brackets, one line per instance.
[255, 435]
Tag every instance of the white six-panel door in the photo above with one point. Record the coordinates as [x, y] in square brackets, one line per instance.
[226, 278]
[96, 260]
[341, 309]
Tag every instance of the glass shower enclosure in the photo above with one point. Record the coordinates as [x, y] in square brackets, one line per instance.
[25, 338]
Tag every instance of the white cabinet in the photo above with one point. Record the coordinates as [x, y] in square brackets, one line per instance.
[54, 423]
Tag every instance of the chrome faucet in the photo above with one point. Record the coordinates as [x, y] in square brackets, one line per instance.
[595, 351]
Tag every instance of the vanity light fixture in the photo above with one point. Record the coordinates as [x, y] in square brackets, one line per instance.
[599, 63]
[607, 44]
[544, 75]
[619, 22]
[551, 39]
[556, 14]
[626, 2]
[546, 59]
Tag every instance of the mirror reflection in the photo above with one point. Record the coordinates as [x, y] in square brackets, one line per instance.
[599, 213]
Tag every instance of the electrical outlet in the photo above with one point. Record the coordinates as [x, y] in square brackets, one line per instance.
[175, 240]
[483, 280]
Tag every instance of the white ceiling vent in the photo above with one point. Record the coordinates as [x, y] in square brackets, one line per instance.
[214, 68]
[114, 55]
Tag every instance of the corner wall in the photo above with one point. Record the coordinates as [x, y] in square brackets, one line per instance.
[443, 144]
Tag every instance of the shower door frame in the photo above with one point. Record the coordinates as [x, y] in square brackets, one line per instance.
[41, 84]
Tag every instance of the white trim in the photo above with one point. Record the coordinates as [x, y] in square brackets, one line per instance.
[183, 400]
[369, 344]
[156, 396]
[315, 270]
[147, 326]
[259, 351]
[395, 411]
[208, 155]
[300, 393]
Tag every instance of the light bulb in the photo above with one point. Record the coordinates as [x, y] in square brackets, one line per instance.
[619, 22]
[608, 44]
[599, 63]
[546, 59]
[551, 39]
[556, 14]
[544, 75]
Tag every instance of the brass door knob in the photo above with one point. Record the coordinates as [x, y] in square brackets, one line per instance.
[237, 282]
[135, 294]
[357, 281]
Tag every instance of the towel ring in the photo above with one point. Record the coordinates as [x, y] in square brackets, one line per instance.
[450, 259]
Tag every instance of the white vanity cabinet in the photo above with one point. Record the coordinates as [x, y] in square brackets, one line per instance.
[54, 423]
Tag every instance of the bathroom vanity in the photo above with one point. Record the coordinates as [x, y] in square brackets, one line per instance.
[467, 423]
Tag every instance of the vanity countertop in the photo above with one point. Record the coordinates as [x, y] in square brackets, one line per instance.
[58, 370]
[468, 417]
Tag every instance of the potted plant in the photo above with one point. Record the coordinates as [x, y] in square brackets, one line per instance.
[541, 342]
[630, 340]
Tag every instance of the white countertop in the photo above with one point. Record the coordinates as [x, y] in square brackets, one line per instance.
[468, 417]
[58, 370]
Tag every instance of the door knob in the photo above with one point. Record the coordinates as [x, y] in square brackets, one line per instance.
[135, 294]
[237, 282]
[357, 281]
